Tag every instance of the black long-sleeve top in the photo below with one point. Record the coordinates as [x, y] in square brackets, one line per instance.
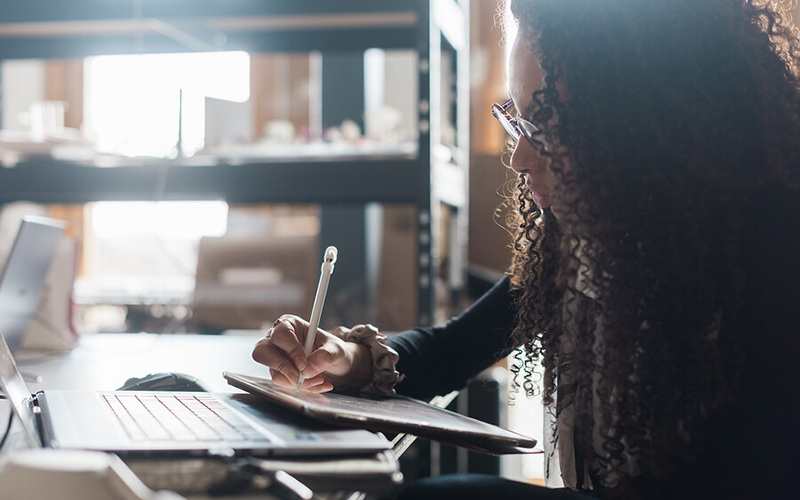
[437, 360]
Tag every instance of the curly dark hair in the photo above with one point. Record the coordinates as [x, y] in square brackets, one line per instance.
[661, 118]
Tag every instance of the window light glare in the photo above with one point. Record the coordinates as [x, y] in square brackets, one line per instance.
[133, 101]
[188, 220]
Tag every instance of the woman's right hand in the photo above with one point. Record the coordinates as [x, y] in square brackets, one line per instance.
[332, 361]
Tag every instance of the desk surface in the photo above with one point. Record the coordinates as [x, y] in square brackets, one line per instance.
[106, 361]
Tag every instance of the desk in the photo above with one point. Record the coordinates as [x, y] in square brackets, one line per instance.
[106, 361]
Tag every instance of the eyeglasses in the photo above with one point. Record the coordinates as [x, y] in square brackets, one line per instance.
[517, 126]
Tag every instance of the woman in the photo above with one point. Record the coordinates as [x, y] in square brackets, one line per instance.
[655, 276]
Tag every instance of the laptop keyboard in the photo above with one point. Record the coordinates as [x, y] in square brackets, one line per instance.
[179, 417]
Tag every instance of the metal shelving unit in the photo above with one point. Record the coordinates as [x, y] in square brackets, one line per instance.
[53, 29]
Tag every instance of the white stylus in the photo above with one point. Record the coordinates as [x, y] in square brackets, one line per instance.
[319, 300]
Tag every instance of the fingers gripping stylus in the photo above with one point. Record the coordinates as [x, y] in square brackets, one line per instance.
[319, 300]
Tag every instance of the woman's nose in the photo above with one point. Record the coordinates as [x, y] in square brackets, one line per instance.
[524, 158]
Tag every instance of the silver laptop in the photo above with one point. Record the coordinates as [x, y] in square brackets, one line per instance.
[24, 275]
[139, 423]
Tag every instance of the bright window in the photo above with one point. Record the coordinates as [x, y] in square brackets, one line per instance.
[133, 102]
[177, 220]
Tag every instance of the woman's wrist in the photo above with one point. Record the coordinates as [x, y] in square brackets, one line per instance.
[373, 363]
[360, 372]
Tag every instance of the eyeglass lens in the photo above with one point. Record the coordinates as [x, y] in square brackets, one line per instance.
[500, 111]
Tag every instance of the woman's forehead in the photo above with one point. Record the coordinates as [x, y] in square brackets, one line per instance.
[525, 76]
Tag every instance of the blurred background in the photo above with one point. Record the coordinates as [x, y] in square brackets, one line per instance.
[204, 154]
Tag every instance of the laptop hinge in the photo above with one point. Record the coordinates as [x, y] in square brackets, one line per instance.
[33, 402]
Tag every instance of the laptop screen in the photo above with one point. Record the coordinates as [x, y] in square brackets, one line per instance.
[24, 275]
[18, 394]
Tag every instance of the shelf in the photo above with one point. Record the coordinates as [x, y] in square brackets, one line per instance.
[330, 181]
[55, 29]
[426, 178]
